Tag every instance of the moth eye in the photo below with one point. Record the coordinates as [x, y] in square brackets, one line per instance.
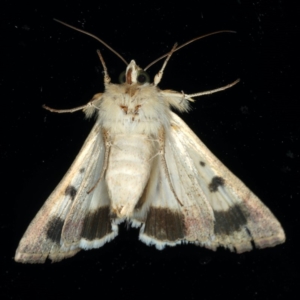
[143, 77]
[122, 77]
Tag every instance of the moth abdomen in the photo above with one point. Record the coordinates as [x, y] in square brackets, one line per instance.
[128, 171]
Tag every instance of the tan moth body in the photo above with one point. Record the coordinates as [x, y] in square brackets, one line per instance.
[143, 165]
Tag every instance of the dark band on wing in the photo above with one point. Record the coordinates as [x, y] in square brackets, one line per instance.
[97, 224]
[54, 229]
[71, 191]
[230, 220]
[164, 224]
[215, 183]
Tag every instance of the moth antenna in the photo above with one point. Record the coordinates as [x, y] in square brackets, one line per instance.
[106, 76]
[185, 44]
[159, 75]
[95, 37]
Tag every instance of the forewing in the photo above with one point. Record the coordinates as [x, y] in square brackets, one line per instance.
[239, 217]
[70, 201]
[158, 211]
[173, 208]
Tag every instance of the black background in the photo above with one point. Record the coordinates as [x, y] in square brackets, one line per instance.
[252, 128]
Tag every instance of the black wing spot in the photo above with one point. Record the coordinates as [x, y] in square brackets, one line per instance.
[202, 163]
[71, 191]
[82, 170]
[231, 220]
[54, 229]
[215, 183]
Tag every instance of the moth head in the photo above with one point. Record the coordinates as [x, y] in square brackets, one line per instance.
[134, 75]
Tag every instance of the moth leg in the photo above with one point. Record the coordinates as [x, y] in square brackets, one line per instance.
[62, 111]
[159, 75]
[85, 107]
[106, 76]
[209, 92]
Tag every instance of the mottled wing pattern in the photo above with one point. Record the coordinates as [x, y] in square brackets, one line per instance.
[215, 209]
[70, 218]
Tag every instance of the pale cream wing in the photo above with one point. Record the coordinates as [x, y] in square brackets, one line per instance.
[239, 217]
[69, 205]
[173, 208]
[158, 211]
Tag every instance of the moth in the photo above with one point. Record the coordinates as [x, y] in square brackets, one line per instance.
[141, 164]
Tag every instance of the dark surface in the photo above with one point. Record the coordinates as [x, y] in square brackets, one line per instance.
[252, 128]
